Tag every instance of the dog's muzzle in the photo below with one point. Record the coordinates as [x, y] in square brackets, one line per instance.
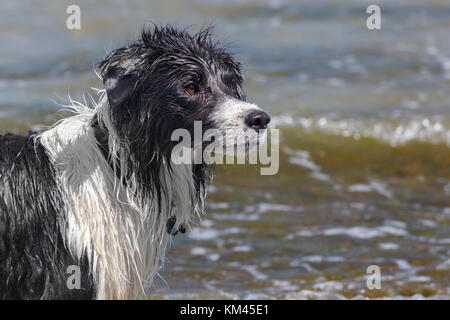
[234, 114]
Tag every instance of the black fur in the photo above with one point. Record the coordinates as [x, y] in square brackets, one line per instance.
[146, 85]
[33, 257]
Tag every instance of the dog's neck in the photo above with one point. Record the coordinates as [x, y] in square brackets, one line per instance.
[102, 137]
[122, 231]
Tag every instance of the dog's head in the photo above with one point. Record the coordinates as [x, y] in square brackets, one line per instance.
[168, 79]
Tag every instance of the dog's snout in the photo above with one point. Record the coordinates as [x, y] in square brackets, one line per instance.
[257, 119]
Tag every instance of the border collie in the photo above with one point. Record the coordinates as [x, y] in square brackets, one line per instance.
[97, 190]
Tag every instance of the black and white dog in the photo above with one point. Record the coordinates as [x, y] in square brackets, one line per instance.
[97, 190]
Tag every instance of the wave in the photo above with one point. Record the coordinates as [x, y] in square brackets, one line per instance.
[394, 132]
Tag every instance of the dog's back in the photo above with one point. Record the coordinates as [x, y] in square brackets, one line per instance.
[31, 244]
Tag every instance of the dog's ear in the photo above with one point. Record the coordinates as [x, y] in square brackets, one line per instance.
[119, 80]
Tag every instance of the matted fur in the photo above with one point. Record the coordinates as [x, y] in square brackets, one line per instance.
[98, 189]
[123, 235]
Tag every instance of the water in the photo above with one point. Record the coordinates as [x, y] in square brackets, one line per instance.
[365, 139]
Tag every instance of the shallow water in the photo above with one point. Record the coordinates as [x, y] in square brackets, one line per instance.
[365, 140]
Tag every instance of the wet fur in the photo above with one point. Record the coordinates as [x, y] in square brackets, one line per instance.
[98, 190]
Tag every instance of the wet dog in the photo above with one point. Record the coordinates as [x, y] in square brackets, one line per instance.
[87, 207]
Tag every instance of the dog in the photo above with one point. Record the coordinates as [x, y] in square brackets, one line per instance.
[96, 194]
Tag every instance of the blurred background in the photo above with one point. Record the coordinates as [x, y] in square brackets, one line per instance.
[365, 139]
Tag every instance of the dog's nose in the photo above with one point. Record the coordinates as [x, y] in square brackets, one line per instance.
[257, 119]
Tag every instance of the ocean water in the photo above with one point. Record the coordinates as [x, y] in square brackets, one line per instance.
[364, 117]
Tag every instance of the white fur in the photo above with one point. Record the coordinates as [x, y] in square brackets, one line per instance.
[231, 113]
[230, 118]
[124, 237]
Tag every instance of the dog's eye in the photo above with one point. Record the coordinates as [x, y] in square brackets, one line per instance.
[191, 89]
